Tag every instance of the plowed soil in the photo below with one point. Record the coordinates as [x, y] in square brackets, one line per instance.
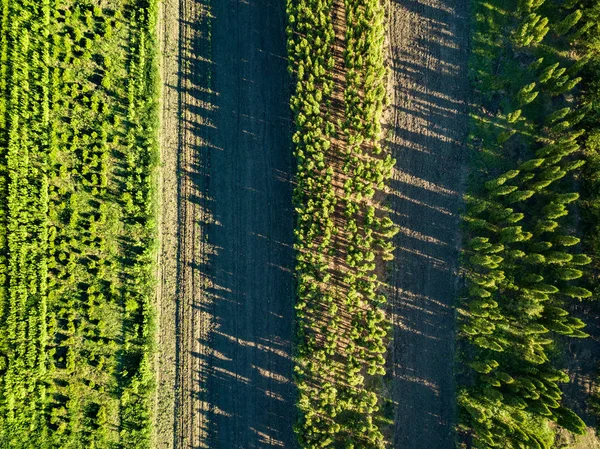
[227, 223]
[428, 51]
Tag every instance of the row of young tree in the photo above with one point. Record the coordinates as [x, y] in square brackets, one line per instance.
[82, 221]
[139, 201]
[23, 228]
[524, 265]
[341, 236]
[77, 225]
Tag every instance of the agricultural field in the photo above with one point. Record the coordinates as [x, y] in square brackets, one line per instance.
[78, 152]
[299, 223]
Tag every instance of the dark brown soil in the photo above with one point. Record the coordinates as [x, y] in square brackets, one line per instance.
[226, 124]
[428, 51]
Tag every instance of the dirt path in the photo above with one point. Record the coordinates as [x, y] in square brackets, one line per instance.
[428, 49]
[225, 70]
[168, 33]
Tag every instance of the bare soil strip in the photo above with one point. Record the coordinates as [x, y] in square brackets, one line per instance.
[227, 303]
[249, 386]
[428, 49]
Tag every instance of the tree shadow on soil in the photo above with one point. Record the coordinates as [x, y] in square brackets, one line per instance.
[239, 129]
[429, 131]
[429, 125]
[580, 357]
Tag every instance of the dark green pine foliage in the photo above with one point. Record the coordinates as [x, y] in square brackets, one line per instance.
[524, 267]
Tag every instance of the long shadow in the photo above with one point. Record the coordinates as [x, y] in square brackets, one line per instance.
[239, 121]
[429, 126]
[581, 359]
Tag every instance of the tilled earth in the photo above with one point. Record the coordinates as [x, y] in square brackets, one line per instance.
[226, 183]
[428, 58]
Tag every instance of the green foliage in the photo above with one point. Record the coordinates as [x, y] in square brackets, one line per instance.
[76, 372]
[559, 114]
[570, 421]
[547, 73]
[527, 6]
[569, 22]
[519, 225]
[341, 330]
[532, 30]
[526, 95]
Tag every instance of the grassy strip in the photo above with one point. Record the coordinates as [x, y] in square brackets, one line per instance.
[139, 197]
[24, 227]
[522, 262]
[77, 165]
[341, 235]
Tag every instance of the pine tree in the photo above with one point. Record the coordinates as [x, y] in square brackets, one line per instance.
[569, 420]
[569, 22]
[526, 95]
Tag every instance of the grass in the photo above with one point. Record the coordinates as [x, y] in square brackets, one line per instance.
[89, 156]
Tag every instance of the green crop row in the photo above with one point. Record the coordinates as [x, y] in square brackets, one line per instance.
[78, 150]
[24, 271]
[523, 264]
[342, 235]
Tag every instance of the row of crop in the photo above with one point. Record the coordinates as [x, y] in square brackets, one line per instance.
[340, 237]
[87, 261]
[523, 261]
[84, 291]
[139, 198]
[23, 229]
[310, 38]
[368, 231]
[97, 325]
